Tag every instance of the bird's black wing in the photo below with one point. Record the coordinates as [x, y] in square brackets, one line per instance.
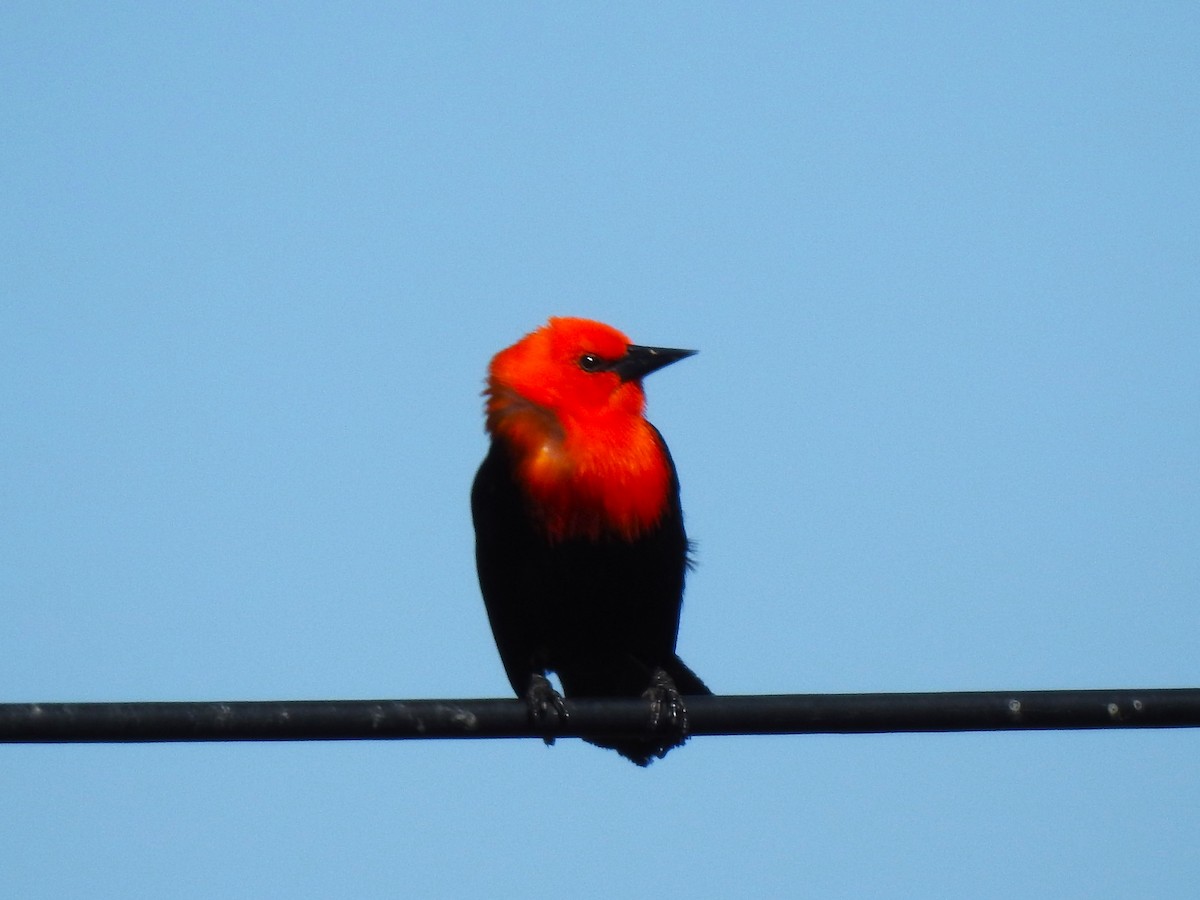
[668, 559]
[505, 554]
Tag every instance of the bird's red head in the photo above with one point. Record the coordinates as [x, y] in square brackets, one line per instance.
[551, 367]
[567, 399]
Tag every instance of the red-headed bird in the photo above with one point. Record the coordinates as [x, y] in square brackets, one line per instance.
[579, 537]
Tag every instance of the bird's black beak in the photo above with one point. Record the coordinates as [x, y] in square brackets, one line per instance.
[639, 362]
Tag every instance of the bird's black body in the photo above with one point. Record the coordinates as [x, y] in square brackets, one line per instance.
[603, 614]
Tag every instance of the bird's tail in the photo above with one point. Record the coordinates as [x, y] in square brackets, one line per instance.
[686, 681]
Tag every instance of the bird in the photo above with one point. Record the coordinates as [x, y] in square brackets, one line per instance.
[580, 545]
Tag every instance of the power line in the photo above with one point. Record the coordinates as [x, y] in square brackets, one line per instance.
[342, 720]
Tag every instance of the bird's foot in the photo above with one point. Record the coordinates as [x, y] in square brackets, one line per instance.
[668, 715]
[547, 709]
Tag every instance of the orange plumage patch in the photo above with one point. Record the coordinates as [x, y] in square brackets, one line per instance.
[590, 464]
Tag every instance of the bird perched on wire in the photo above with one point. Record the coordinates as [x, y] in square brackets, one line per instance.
[579, 537]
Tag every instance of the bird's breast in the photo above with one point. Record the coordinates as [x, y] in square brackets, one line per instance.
[590, 480]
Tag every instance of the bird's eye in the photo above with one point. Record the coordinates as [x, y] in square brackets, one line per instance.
[590, 362]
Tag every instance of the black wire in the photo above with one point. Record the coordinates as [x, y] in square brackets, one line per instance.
[340, 720]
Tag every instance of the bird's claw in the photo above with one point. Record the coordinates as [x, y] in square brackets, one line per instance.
[668, 715]
[547, 709]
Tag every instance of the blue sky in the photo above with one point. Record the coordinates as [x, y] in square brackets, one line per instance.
[941, 262]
